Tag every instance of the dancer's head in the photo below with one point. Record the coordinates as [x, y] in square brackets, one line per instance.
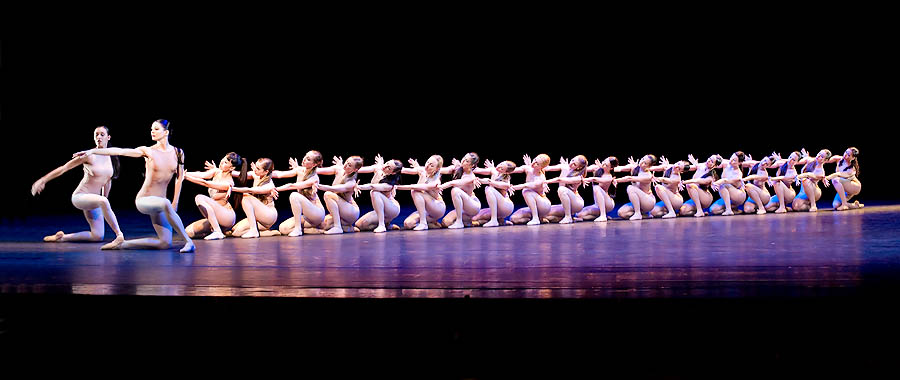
[713, 161]
[823, 155]
[229, 163]
[391, 171]
[263, 170]
[851, 156]
[577, 166]
[159, 130]
[433, 165]
[737, 159]
[504, 171]
[540, 162]
[351, 166]
[101, 138]
[791, 161]
[607, 166]
[765, 163]
[469, 162]
[645, 163]
[676, 168]
[311, 161]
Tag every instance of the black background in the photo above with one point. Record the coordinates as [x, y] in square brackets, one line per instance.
[500, 85]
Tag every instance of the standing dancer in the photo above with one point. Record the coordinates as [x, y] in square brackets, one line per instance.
[730, 186]
[668, 189]
[305, 204]
[425, 194]
[91, 195]
[465, 204]
[497, 193]
[382, 190]
[698, 185]
[604, 194]
[162, 162]
[569, 180]
[639, 194]
[845, 181]
[217, 212]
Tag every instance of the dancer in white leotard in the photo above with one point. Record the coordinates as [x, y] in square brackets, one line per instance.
[218, 212]
[845, 180]
[91, 195]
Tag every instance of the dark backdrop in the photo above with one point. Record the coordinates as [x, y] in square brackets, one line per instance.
[279, 89]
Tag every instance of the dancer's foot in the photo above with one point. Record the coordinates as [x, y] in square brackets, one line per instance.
[296, 232]
[728, 213]
[334, 230]
[380, 229]
[250, 234]
[215, 236]
[761, 211]
[533, 222]
[842, 207]
[188, 247]
[421, 227]
[859, 205]
[492, 223]
[813, 209]
[115, 244]
[699, 214]
[456, 225]
[636, 216]
[669, 215]
[566, 220]
[601, 218]
[55, 237]
[780, 210]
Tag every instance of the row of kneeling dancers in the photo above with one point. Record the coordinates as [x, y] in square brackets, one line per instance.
[232, 185]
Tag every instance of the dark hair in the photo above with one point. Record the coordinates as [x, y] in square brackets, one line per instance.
[668, 171]
[473, 157]
[613, 162]
[238, 162]
[113, 159]
[164, 123]
[783, 168]
[653, 161]
[855, 153]
[712, 172]
[394, 178]
[740, 156]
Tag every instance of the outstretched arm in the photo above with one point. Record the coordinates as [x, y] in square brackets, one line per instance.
[38, 185]
[136, 152]
[343, 188]
[207, 183]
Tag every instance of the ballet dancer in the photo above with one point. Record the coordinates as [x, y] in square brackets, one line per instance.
[162, 162]
[534, 190]
[604, 193]
[570, 179]
[217, 211]
[845, 181]
[497, 193]
[642, 200]
[258, 202]
[382, 190]
[425, 193]
[668, 189]
[813, 172]
[755, 184]
[730, 186]
[465, 204]
[782, 181]
[91, 195]
[306, 206]
[698, 186]
[342, 208]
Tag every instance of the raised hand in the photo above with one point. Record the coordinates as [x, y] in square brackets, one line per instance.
[455, 163]
[253, 166]
[209, 165]
[414, 164]
[292, 163]
[563, 161]
[379, 161]
[38, 187]
[803, 153]
[631, 160]
[749, 158]
[776, 156]
[527, 160]
[488, 164]
[693, 160]
[598, 162]
[664, 161]
[337, 161]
